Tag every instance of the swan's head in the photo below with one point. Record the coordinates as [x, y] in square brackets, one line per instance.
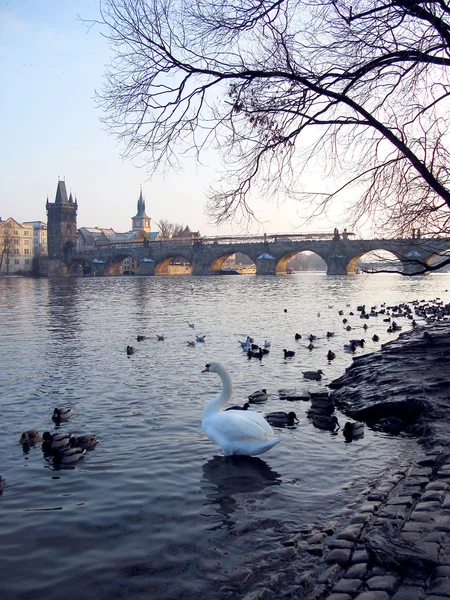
[211, 368]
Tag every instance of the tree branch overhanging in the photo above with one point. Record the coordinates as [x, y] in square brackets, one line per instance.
[275, 87]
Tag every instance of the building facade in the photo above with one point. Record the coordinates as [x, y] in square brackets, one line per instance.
[61, 223]
[16, 247]
[39, 237]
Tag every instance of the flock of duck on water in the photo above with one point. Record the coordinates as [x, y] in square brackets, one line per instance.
[59, 448]
[236, 429]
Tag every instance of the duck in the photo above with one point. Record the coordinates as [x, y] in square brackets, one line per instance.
[130, 350]
[281, 419]
[288, 353]
[55, 440]
[310, 346]
[267, 344]
[241, 432]
[330, 334]
[161, 337]
[375, 338]
[324, 421]
[298, 336]
[141, 338]
[62, 414]
[191, 343]
[353, 430]
[30, 437]
[67, 455]
[191, 325]
[331, 355]
[200, 338]
[313, 375]
[236, 407]
[85, 442]
[359, 343]
[258, 396]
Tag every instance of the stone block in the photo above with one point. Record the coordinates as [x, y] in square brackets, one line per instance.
[350, 533]
[347, 586]
[330, 574]
[440, 587]
[442, 571]
[339, 597]
[356, 571]
[386, 583]
[430, 549]
[443, 523]
[360, 556]
[421, 516]
[341, 544]
[437, 485]
[435, 495]
[426, 506]
[409, 592]
[373, 595]
[340, 556]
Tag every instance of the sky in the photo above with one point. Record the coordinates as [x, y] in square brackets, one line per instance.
[51, 64]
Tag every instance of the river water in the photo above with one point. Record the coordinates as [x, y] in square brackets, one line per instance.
[154, 511]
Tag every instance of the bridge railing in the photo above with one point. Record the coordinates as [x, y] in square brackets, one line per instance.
[234, 239]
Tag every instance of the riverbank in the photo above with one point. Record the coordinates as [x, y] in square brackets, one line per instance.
[396, 545]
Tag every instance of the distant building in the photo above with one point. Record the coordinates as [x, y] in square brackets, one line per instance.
[61, 223]
[39, 237]
[141, 222]
[16, 247]
[187, 233]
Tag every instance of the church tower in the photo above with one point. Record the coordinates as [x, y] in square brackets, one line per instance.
[140, 222]
[61, 223]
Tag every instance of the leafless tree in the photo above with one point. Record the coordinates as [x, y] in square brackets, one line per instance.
[169, 230]
[355, 89]
[6, 247]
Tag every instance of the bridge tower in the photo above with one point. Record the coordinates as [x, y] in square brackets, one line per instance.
[61, 223]
[141, 222]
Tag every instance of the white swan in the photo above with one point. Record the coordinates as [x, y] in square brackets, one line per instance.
[235, 431]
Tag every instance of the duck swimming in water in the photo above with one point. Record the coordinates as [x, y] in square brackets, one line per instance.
[281, 419]
[67, 456]
[288, 353]
[235, 431]
[130, 350]
[313, 375]
[258, 396]
[62, 414]
[30, 437]
[353, 430]
[85, 442]
[246, 406]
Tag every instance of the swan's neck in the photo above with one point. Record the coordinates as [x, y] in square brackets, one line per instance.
[215, 405]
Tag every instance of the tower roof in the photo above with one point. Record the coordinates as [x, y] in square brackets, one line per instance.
[140, 208]
[61, 193]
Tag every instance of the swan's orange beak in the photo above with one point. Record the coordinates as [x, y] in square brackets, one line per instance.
[205, 370]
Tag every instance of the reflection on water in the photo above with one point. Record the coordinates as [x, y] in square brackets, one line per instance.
[152, 513]
[225, 477]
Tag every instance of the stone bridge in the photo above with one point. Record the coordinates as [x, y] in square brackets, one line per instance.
[269, 253]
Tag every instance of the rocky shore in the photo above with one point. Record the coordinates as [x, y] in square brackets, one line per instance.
[397, 545]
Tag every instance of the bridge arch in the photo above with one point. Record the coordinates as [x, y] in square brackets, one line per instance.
[218, 264]
[437, 257]
[381, 252]
[173, 264]
[283, 262]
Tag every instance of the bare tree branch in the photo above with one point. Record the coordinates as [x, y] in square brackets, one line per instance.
[355, 89]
